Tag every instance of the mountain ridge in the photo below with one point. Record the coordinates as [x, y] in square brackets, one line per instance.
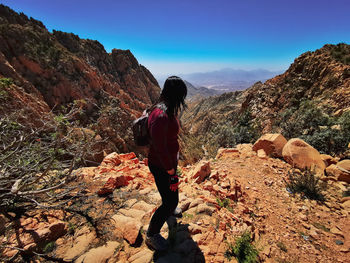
[60, 69]
[319, 78]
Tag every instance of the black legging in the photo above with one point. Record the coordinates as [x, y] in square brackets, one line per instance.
[170, 200]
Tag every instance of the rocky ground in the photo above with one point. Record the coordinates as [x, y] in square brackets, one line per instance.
[112, 205]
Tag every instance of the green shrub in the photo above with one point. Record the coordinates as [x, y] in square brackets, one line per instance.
[243, 250]
[341, 53]
[304, 121]
[49, 247]
[305, 183]
[6, 81]
[230, 133]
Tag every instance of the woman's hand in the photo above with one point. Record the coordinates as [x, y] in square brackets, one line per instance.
[174, 183]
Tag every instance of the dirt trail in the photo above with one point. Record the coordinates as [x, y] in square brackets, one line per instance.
[242, 192]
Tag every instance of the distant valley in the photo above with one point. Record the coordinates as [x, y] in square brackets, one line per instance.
[226, 80]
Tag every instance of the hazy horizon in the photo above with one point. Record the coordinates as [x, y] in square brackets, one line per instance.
[188, 37]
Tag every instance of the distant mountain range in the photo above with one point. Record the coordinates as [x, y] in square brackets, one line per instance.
[229, 79]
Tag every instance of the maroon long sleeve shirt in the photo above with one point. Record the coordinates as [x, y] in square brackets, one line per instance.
[164, 132]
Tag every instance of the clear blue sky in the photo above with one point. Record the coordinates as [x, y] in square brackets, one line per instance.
[185, 36]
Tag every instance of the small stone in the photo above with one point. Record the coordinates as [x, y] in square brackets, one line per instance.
[339, 242]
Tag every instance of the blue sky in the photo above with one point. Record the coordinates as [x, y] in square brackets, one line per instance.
[173, 37]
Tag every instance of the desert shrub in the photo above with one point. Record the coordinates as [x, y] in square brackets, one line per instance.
[243, 250]
[305, 122]
[305, 117]
[6, 81]
[341, 53]
[35, 162]
[327, 141]
[224, 203]
[228, 134]
[305, 183]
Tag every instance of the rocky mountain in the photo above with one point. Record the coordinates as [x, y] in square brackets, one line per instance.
[196, 93]
[48, 72]
[310, 99]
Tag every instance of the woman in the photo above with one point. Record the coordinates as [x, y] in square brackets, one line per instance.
[163, 127]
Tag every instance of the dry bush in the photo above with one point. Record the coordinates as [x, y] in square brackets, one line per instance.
[36, 163]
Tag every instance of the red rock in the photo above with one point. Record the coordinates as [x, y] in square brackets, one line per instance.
[302, 155]
[145, 161]
[127, 156]
[344, 165]
[113, 183]
[201, 171]
[111, 159]
[338, 172]
[271, 143]
[52, 231]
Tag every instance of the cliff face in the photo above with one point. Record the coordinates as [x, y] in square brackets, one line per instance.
[63, 68]
[321, 77]
[59, 68]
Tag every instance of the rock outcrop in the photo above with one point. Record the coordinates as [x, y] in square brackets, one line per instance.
[53, 70]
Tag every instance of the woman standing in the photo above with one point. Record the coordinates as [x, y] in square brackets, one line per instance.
[163, 127]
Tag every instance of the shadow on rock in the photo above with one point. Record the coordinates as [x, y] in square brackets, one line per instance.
[182, 248]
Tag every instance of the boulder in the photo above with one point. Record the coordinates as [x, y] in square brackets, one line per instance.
[114, 183]
[200, 171]
[328, 160]
[340, 171]
[100, 254]
[205, 209]
[128, 227]
[83, 238]
[52, 231]
[271, 143]
[300, 154]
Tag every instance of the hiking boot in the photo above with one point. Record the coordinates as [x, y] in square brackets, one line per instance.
[156, 242]
[177, 212]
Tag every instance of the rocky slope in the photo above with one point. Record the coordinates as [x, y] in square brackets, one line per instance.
[57, 69]
[197, 93]
[109, 208]
[321, 77]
